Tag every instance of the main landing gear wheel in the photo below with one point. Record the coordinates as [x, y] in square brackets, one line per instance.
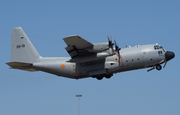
[99, 78]
[108, 76]
[158, 67]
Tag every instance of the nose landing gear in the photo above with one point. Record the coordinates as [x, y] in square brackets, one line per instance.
[158, 67]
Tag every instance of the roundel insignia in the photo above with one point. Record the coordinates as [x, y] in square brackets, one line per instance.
[62, 66]
[116, 58]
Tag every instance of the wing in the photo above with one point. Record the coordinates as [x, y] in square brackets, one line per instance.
[76, 46]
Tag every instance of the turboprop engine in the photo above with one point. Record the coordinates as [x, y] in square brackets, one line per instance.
[98, 47]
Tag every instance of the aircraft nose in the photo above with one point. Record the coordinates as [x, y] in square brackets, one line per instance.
[169, 55]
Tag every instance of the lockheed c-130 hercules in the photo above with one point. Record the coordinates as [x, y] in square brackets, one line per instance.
[87, 60]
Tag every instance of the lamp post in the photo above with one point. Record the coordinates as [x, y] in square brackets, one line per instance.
[78, 103]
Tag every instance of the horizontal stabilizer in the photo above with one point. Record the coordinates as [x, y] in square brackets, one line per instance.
[22, 66]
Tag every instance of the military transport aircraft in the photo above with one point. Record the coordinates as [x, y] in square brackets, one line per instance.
[87, 60]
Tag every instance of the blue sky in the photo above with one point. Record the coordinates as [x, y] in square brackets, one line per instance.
[130, 22]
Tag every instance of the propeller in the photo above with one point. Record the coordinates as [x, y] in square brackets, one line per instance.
[150, 69]
[168, 56]
[111, 45]
[110, 42]
[165, 64]
[117, 49]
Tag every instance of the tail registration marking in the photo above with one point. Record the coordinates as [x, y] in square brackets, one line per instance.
[20, 46]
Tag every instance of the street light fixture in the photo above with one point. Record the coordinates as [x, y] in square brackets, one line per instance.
[79, 103]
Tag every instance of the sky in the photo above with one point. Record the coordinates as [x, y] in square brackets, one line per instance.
[129, 22]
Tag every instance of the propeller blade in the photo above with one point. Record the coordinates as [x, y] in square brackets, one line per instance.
[117, 48]
[150, 69]
[110, 42]
[165, 64]
[108, 38]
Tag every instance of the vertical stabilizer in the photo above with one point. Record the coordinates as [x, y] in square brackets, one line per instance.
[22, 50]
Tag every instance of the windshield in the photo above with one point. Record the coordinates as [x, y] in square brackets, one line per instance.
[156, 47]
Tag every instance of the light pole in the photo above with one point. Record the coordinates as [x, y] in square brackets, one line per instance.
[78, 103]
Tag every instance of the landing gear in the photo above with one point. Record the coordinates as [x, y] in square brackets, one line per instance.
[99, 78]
[108, 76]
[158, 67]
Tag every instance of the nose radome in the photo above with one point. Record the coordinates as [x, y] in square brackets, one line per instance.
[169, 55]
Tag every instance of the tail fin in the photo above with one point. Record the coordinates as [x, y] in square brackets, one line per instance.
[22, 50]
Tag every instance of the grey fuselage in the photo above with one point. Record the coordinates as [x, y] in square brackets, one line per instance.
[132, 58]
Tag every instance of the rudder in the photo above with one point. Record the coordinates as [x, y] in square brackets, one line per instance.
[22, 50]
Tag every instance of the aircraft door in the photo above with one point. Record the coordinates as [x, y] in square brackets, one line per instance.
[150, 58]
[74, 69]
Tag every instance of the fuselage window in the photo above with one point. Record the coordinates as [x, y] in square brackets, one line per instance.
[159, 52]
[163, 50]
[155, 47]
[158, 47]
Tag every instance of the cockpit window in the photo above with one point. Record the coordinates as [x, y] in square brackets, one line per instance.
[156, 47]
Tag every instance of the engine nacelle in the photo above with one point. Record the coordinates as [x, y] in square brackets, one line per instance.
[93, 57]
[98, 47]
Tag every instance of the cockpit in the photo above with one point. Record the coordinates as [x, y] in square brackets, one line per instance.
[158, 47]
